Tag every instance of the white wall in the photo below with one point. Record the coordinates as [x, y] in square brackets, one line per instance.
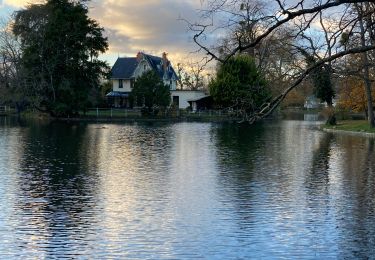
[125, 83]
[142, 67]
[186, 95]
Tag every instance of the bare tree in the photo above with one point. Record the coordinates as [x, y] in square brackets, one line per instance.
[191, 75]
[315, 25]
[365, 60]
[12, 82]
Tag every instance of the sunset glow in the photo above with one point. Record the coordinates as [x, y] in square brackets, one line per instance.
[152, 26]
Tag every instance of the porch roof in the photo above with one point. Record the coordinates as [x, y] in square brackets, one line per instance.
[117, 94]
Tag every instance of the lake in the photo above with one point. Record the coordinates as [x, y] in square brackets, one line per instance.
[280, 189]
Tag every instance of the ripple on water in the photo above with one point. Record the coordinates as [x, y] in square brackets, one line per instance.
[185, 190]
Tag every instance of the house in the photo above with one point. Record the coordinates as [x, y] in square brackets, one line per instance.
[311, 102]
[182, 98]
[126, 70]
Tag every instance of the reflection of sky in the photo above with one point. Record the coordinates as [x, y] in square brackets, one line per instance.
[300, 200]
[11, 150]
[185, 190]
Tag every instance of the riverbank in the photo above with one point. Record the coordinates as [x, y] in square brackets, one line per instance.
[134, 116]
[353, 127]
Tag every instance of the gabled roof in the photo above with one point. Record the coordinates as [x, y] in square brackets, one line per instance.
[124, 68]
[155, 61]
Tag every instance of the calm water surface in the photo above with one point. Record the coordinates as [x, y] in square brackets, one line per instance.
[185, 190]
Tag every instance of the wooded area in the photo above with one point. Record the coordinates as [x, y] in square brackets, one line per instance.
[321, 43]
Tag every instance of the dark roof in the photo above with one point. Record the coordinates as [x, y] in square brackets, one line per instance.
[124, 68]
[155, 61]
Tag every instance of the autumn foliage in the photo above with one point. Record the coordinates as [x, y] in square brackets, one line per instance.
[353, 95]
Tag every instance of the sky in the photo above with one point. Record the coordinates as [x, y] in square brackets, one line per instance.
[152, 26]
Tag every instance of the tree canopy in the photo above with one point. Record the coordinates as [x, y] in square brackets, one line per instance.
[238, 84]
[150, 92]
[60, 47]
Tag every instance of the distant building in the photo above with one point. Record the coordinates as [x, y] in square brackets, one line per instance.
[312, 102]
[126, 70]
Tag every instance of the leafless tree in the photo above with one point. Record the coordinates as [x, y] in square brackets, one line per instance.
[11, 80]
[315, 25]
[191, 75]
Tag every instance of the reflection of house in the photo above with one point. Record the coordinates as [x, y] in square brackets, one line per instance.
[126, 70]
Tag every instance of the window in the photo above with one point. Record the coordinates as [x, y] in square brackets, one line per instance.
[120, 84]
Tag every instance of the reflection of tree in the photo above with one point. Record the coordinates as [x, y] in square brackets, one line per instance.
[237, 150]
[55, 188]
[356, 209]
[341, 195]
[317, 180]
[237, 146]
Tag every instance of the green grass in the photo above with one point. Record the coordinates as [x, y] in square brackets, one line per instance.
[352, 125]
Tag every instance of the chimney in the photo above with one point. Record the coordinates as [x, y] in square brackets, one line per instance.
[139, 56]
[165, 61]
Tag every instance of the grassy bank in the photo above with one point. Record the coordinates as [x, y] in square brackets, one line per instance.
[353, 126]
[118, 115]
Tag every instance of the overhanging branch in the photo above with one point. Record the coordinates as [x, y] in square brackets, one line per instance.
[271, 106]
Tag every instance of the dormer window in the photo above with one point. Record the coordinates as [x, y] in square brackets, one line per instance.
[120, 83]
[144, 67]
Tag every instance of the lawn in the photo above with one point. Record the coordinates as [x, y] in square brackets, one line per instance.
[353, 125]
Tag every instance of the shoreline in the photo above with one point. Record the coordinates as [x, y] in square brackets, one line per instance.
[132, 119]
[360, 133]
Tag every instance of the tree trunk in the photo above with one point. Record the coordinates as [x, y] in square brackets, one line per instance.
[331, 115]
[366, 71]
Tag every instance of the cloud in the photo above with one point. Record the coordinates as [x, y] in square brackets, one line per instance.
[152, 26]
[16, 3]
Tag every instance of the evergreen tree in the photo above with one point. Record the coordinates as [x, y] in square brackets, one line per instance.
[60, 48]
[150, 92]
[238, 84]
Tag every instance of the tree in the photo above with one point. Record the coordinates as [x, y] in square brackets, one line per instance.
[12, 89]
[353, 95]
[361, 10]
[238, 84]
[309, 22]
[190, 76]
[150, 92]
[60, 46]
[321, 78]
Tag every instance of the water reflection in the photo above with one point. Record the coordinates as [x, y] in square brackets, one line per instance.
[296, 199]
[186, 190]
[53, 189]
